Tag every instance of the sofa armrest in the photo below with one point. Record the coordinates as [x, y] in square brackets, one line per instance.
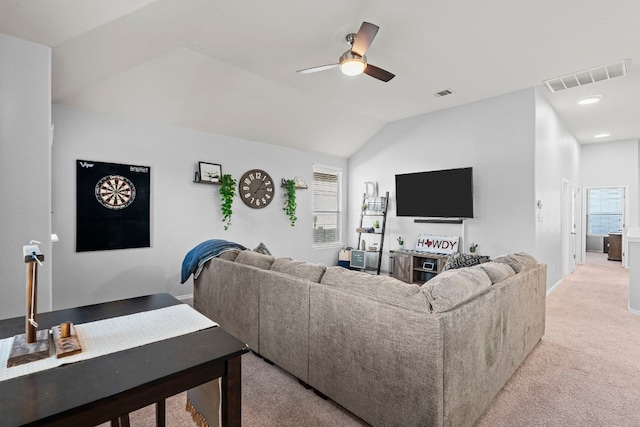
[229, 294]
[487, 338]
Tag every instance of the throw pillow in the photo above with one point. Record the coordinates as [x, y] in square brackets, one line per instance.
[262, 249]
[460, 260]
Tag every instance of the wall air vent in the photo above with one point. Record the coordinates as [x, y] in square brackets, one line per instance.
[443, 93]
[585, 77]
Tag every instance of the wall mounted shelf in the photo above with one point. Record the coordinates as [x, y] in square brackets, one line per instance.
[207, 182]
[300, 183]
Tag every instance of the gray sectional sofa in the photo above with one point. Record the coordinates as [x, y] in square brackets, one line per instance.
[392, 353]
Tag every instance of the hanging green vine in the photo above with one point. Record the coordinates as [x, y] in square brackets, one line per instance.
[290, 201]
[227, 193]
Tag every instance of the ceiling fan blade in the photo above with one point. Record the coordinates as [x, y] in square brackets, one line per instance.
[378, 73]
[316, 69]
[365, 36]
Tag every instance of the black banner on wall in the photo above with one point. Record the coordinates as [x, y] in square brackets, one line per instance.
[112, 206]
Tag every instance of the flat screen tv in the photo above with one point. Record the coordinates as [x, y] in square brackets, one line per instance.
[442, 193]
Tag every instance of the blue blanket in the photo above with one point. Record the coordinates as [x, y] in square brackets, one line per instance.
[196, 257]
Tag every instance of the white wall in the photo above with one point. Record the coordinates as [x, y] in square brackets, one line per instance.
[494, 136]
[557, 158]
[25, 173]
[183, 213]
[613, 164]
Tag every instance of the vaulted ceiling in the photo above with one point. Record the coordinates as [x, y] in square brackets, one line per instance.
[229, 66]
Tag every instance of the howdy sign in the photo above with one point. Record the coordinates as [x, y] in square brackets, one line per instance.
[437, 244]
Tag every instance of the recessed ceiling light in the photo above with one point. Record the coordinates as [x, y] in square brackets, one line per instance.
[590, 100]
[602, 135]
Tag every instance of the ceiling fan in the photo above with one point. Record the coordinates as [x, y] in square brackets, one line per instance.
[353, 61]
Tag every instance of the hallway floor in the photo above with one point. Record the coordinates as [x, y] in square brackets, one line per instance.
[600, 258]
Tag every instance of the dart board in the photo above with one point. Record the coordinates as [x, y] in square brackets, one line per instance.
[115, 192]
[112, 206]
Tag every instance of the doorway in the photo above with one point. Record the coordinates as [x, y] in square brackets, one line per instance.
[604, 230]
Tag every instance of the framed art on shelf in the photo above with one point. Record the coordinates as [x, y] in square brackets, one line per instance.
[210, 172]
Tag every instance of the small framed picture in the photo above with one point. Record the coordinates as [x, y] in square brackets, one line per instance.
[210, 172]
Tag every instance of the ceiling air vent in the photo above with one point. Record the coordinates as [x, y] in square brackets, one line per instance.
[443, 93]
[585, 77]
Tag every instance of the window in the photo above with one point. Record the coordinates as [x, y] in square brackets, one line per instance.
[326, 206]
[604, 211]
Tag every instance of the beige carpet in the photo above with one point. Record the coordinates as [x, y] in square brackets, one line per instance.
[584, 372]
[270, 397]
[586, 369]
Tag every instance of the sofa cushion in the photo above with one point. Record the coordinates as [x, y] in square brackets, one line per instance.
[255, 259]
[229, 255]
[460, 260]
[497, 271]
[301, 269]
[526, 261]
[383, 288]
[518, 261]
[451, 288]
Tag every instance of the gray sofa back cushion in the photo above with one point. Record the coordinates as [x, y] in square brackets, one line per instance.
[497, 271]
[383, 288]
[453, 287]
[518, 261]
[255, 259]
[301, 269]
[229, 255]
[380, 361]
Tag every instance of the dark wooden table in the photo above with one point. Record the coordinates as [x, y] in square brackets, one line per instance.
[101, 389]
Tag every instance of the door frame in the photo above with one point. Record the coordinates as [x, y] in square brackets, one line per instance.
[625, 216]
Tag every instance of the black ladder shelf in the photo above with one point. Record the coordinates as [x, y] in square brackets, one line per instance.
[376, 210]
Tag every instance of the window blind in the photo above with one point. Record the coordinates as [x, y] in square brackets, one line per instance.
[326, 206]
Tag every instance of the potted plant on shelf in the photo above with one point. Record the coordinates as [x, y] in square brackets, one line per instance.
[400, 242]
[376, 225]
[227, 193]
[290, 201]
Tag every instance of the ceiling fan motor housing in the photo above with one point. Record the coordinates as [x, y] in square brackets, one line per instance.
[352, 64]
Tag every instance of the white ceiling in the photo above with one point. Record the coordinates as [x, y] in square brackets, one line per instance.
[229, 66]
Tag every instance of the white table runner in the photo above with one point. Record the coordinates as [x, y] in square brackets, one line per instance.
[113, 335]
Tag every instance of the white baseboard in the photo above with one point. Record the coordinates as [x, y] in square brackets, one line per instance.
[554, 287]
[183, 297]
[633, 311]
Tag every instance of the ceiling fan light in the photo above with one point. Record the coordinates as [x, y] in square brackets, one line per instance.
[353, 67]
[352, 64]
